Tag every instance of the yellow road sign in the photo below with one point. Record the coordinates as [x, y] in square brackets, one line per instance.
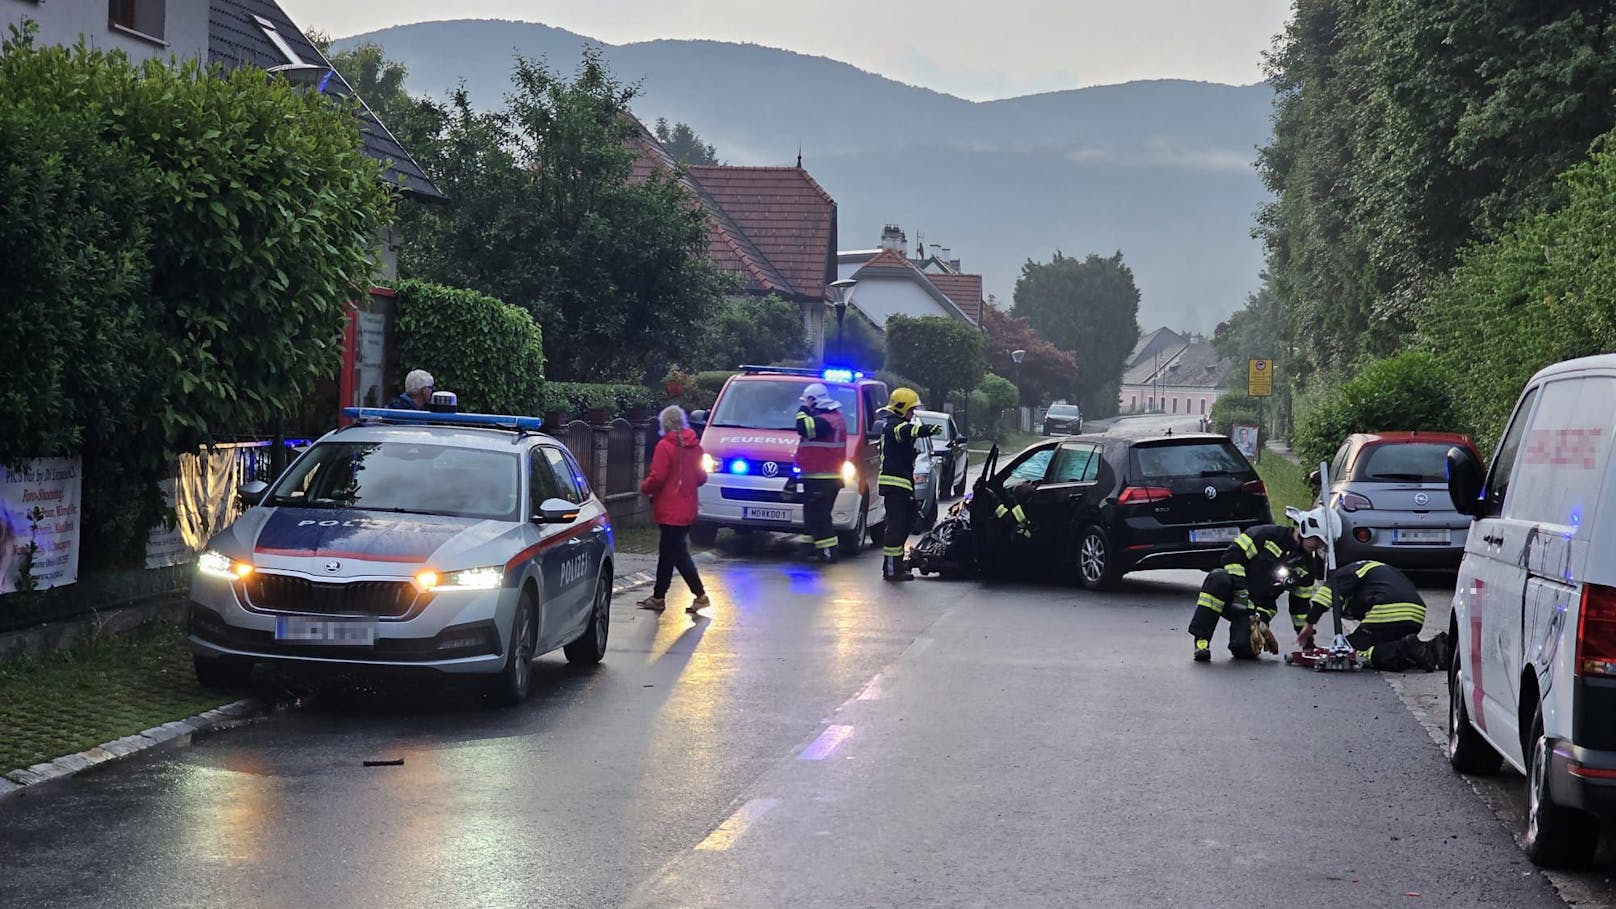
[1260, 378]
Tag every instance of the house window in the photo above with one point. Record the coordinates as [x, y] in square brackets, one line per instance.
[1133, 403]
[1150, 403]
[143, 16]
[1203, 407]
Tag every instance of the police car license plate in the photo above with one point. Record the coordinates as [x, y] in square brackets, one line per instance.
[766, 514]
[1214, 535]
[300, 630]
[1422, 536]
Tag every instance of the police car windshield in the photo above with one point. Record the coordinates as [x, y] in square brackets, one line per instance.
[771, 403]
[406, 477]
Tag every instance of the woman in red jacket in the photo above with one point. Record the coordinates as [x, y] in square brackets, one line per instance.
[675, 474]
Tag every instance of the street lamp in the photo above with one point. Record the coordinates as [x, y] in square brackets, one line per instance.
[841, 291]
[1016, 356]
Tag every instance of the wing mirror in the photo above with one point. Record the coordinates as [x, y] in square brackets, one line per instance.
[1465, 479]
[1313, 479]
[556, 511]
[252, 492]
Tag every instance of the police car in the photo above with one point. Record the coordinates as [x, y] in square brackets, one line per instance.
[465, 544]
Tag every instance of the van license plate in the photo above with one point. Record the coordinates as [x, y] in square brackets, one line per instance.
[766, 514]
[1423, 536]
[1214, 535]
[296, 629]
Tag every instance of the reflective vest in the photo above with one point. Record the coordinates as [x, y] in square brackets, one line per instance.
[822, 446]
[898, 452]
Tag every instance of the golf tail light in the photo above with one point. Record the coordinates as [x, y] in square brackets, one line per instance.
[1255, 488]
[849, 473]
[1596, 631]
[1140, 495]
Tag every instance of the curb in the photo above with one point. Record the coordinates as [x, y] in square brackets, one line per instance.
[229, 714]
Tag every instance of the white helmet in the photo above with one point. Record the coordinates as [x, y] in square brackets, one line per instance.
[1321, 523]
[819, 396]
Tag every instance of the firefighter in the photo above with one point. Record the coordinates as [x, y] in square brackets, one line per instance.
[1258, 566]
[821, 450]
[1389, 613]
[897, 482]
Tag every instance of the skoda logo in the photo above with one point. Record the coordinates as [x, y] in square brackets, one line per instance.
[331, 567]
[1421, 498]
[771, 469]
[1211, 492]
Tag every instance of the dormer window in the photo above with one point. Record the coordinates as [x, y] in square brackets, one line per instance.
[274, 36]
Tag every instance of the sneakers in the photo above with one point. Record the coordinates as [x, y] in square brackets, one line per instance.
[698, 604]
[653, 603]
[1203, 651]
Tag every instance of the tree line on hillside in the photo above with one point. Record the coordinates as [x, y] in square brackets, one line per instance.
[1441, 180]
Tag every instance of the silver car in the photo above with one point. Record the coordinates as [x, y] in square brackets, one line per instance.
[949, 450]
[1391, 491]
[455, 543]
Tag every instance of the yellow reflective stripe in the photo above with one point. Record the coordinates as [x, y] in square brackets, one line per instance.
[1274, 548]
[1368, 567]
[1210, 602]
[892, 551]
[1364, 656]
[825, 544]
[1395, 612]
[1324, 596]
[1001, 511]
[1246, 545]
[808, 424]
[1235, 569]
[1021, 516]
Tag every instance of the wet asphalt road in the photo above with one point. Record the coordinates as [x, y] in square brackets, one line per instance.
[809, 744]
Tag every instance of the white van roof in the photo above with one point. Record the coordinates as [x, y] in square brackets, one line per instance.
[1581, 364]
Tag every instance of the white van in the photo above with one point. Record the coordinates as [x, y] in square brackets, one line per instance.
[1533, 675]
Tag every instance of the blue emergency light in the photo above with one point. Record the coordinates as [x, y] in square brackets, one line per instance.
[841, 375]
[739, 466]
[429, 418]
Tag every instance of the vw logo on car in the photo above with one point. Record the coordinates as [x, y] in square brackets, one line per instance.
[771, 469]
[1211, 492]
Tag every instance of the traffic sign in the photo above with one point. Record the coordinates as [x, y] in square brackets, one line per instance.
[1260, 378]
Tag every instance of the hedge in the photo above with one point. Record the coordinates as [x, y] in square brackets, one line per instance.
[1411, 391]
[577, 399]
[489, 353]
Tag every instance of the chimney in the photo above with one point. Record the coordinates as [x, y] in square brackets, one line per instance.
[893, 238]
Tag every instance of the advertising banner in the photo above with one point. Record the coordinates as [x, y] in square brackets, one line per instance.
[39, 524]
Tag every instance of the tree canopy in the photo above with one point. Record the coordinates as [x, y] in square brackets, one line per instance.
[683, 144]
[945, 354]
[1089, 308]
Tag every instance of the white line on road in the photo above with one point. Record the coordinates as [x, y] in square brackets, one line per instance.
[828, 742]
[874, 690]
[736, 824]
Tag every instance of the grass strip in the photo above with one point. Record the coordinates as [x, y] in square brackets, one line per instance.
[64, 702]
[1286, 482]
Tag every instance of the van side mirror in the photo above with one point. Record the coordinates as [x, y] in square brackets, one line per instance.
[1465, 478]
[252, 492]
[556, 511]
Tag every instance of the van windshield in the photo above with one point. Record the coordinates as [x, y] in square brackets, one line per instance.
[772, 403]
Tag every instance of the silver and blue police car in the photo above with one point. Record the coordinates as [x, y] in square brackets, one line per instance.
[461, 543]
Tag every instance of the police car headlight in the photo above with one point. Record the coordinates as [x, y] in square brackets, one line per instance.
[469, 579]
[708, 464]
[849, 473]
[218, 565]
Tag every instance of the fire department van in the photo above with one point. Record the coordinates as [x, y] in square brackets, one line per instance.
[1532, 680]
[751, 442]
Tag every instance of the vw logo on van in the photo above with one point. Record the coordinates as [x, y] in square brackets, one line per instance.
[771, 469]
[1211, 492]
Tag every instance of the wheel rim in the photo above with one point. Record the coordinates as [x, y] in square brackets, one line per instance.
[603, 613]
[1454, 718]
[524, 650]
[1535, 792]
[1093, 557]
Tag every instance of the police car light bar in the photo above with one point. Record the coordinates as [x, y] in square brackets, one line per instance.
[426, 417]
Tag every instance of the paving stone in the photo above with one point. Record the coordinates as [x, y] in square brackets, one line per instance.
[72, 763]
[127, 745]
[26, 777]
[46, 771]
[160, 734]
[7, 787]
[98, 755]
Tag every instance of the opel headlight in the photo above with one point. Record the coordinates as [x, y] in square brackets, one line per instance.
[217, 564]
[468, 579]
[849, 474]
[708, 464]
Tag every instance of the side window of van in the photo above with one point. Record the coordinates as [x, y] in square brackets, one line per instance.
[1504, 463]
[1562, 457]
[875, 398]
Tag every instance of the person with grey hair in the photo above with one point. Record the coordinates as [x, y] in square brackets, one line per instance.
[676, 472]
[418, 388]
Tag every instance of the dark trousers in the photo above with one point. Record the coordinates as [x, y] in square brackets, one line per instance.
[818, 498]
[673, 551]
[1391, 646]
[900, 513]
[1217, 601]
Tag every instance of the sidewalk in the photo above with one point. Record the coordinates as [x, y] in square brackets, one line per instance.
[1283, 450]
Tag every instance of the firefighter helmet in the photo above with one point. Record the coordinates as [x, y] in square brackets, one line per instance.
[903, 401]
[818, 396]
[1321, 523]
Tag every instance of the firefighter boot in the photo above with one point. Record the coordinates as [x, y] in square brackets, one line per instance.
[1203, 651]
[894, 568]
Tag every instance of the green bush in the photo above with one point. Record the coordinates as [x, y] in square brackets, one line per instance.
[1230, 408]
[489, 353]
[945, 354]
[895, 381]
[1411, 391]
[579, 398]
[750, 330]
[704, 389]
[1001, 393]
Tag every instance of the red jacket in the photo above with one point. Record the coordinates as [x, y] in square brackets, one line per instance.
[675, 474]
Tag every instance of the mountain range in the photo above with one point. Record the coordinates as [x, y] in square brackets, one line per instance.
[1161, 170]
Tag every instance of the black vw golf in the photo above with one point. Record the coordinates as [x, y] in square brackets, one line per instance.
[1100, 506]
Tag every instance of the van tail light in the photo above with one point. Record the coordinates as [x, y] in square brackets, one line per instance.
[1139, 495]
[1255, 488]
[1596, 631]
[1352, 501]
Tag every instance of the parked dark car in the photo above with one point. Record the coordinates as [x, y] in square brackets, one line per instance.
[1063, 420]
[948, 450]
[1391, 490]
[1101, 506]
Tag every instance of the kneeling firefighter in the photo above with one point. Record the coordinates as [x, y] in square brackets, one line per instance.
[1258, 566]
[1389, 613]
[897, 482]
[821, 449]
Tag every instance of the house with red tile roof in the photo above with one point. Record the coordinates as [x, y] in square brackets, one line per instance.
[891, 283]
[773, 228]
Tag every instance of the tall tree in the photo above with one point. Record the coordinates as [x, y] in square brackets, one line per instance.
[1045, 371]
[1089, 307]
[683, 144]
[379, 81]
[944, 354]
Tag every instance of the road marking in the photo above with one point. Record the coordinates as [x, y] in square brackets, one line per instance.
[917, 648]
[828, 742]
[872, 691]
[736, 824]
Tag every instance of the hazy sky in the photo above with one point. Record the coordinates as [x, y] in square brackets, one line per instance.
[969, 48]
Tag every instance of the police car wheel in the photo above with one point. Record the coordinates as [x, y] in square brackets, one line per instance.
[510, 686]
[223, 672]
[590, 648]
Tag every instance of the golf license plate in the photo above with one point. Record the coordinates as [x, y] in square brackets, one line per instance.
[782, 515]
[1214, 535]
[1423, 536]
[301, 630]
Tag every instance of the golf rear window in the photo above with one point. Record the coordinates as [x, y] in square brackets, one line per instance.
[1189, 459]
